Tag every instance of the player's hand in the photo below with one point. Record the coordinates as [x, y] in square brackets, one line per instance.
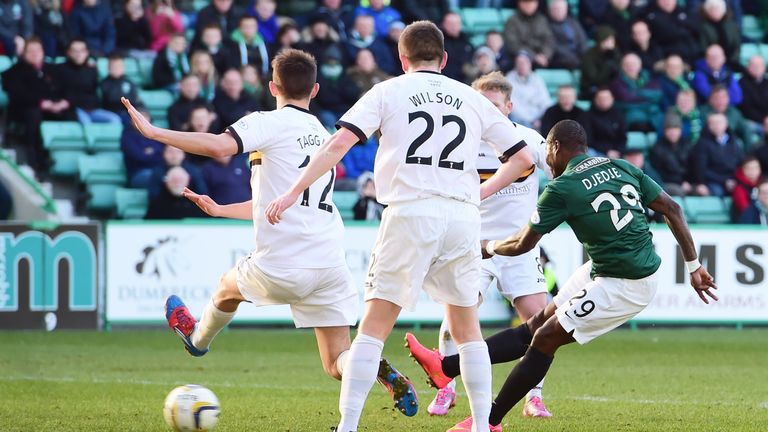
[703, 283]
[139, 121]
[275, 209]
[483, 244]
[206, 204]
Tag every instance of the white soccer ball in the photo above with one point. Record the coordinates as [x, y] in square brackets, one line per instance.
[191, 408]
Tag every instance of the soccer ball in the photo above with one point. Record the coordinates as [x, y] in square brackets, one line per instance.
[191, 408]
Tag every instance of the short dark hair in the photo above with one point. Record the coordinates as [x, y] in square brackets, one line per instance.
[76, 40]
[422, 42]
[115, 56]
[570, 134]
[295, 73]
[718, 88]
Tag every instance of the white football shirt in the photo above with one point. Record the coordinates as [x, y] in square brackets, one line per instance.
[507, 211]
[280, 144]
[431, 127]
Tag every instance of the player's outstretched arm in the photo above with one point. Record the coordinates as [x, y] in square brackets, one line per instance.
[242, 210]
[327, 156]
[512, 169]
[205, 144]
[517, 244]
[701, 280]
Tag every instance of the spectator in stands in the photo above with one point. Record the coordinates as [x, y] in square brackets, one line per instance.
[636, 157]
[529, 92]
[367, 208]
[719, 103]
[592, 14]
[253, 85]
[360, 158]
[171, 64]
[719, 28]
[754, 88]
[715, 158]
[116, 86]
[674, 79]
[363, 36]
[645, 47]
[338, 15]
[638, 95]
[365, 73]
[32, 97]
[382, 14]
[495, 42]
[228, 179]
[6, 203]
[570, 39]
[674, 30]
[318, 37]
[712, 71]
[337, 91]
[141, 155]
[528, 30]
[391, 41]
[744, 193]
[264, 11]
[483, 62]
[619, 16]
[287, 37]
[609, 133]
[669, 156]
[189, 97]
[231, 102]
[16, 25]
[734, 8]
[757, 213]
[761, 153]
[164, 21]
[201, 65]
[169, 203]
[430, 10]
[173, 157]
[132, 28]
[92, 22]
[79, 83]
[202, 119]
[48, 24]
[564, 109]
[458, 48]
[223, 13]
[600, 64]
[222, 52]
[685, 107]
[249, 47]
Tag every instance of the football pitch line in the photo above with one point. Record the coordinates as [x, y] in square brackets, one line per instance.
[584, 398]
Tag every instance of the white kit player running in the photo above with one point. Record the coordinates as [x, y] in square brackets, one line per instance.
[300, 262]
[425, 171]
[519, 279]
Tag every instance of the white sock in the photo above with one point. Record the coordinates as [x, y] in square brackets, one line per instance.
[341, 361]
[210, 325]
[447, 347]
[475, 367]
[360, 370]
[536, 391]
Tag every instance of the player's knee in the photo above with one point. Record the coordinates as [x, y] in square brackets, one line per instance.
[545, 338]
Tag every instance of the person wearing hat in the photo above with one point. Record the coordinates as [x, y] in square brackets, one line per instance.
[318, 36]
[600, 64]
[529, 30]
[669, 156]
[483, 62]
[337, 91]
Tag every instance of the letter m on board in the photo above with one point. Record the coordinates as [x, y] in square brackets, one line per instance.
[43, 256]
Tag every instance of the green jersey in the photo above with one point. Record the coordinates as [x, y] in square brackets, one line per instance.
[603, 201]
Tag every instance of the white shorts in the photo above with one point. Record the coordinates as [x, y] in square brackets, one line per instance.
[433, 244]
[324, 297]
[515, 277]
[591, 308]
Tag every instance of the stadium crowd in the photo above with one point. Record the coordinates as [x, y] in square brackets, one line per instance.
[669, 69]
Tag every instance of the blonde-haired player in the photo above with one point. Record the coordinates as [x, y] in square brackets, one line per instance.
[431, 127]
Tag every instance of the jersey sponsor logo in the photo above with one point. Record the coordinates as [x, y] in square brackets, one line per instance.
[590, 163]
[242, 124]
[535, 217]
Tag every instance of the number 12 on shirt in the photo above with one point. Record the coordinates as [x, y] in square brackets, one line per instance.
[305, 196]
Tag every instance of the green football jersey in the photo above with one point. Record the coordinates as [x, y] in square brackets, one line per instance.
[603, 201]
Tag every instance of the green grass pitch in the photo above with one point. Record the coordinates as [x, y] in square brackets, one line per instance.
[271, 380]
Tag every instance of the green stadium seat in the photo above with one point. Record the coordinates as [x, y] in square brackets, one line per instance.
[66, 143]
[131, 203]
[5, 64]
[651, 137]
[134, 73]
[102, 67]
[102, 175]
[145, 68]
[637, 141]
[477, 40]
[750, 28]
[583, 104]
[480, 20]
[680, 201]
[747, 51]
[710, 210]
[103, 137]
[504, 14]
[345, 202]
[157, 102]
[554, 78]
